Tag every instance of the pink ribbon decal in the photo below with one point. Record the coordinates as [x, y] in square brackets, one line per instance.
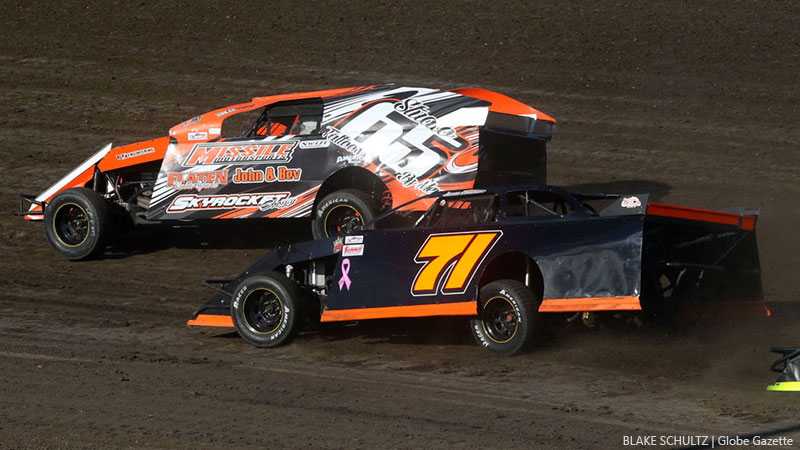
[345, 280]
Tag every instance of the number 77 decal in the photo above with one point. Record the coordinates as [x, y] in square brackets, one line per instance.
[450, 261]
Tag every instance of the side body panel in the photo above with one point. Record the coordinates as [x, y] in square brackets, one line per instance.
[436, 271]
[415, 140]
[580, 259]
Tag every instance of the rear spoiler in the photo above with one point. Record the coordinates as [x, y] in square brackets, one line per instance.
[745, 220]
[739, 216]
[706, 260]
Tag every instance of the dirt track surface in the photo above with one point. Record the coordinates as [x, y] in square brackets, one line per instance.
[695, 104]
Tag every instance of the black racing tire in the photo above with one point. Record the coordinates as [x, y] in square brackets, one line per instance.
[508, 317]
[76, 223]
[341, 212]
[267, 310]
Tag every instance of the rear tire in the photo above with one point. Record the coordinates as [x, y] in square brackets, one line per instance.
[76, 223]
[508, 316]
[266, 310]
[341, 212]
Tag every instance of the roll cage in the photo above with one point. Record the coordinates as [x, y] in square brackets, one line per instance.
[293, 117]
[448, 208]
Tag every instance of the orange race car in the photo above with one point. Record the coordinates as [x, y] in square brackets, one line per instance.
[337, 156]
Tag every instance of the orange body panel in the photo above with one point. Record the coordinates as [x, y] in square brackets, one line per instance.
[440, 309]
[323, 93]
[590, 304]
[743, 221]
[138, 153]
[502, 104]
[211, 320]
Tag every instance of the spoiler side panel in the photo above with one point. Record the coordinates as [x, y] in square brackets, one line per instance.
[77, 177]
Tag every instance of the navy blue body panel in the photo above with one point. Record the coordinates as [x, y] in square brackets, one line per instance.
[580, 254]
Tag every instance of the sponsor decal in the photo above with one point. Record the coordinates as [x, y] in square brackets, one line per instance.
[214, 130]
[408, 179]
[464, 192]
[318, 143]
[420, 113]
[135, 153]
[220, 153]
[191, 121]
[344, 282]
[197, 180]
[230, 110]
[428, 186]
[198, 136]
[278, 203]
[350, 159]
[226, 112]
[337, 245]
[631, 202]
[353, 250]
[450, 260]
[358, 239]
[336, 137]
[269, 175]
[263, 201]
[403, 135]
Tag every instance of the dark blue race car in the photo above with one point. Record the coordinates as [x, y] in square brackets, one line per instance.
[503, 257]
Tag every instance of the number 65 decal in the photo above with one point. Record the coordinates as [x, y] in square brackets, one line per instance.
[450, 260]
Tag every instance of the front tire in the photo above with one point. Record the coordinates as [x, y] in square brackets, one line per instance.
[341, 212]
[76, 223]
[508, 316]
[266, 310]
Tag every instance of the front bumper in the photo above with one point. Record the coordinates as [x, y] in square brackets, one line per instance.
[31, 208]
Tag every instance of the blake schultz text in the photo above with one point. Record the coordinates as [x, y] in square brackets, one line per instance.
[710, 441]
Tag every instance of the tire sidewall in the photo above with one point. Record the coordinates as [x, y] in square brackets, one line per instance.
[96, 218]
[522, 301]
[357, 200]
[290, 310]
